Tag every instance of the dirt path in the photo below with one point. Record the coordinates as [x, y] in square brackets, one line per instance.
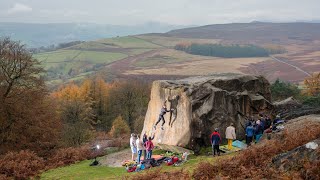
[116, 159]
[297, 68]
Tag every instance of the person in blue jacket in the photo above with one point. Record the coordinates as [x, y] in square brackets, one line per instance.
[258, 132]
[249, 134]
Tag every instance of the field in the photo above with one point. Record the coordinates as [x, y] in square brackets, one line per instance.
[153, 56]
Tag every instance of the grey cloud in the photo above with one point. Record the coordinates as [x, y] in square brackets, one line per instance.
[19, 8]
[180, 12]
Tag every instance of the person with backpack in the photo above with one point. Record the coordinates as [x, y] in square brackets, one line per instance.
[133, 145]
[163, 111]
[249, 134]
[215, 142]
[230, 135]
[140, 148]
[149, 147]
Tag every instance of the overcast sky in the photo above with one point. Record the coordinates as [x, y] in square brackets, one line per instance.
[178, 12]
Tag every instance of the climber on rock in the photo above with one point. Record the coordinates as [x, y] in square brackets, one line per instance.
[163, 111]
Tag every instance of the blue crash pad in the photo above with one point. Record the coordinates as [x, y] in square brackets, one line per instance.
[239, 144]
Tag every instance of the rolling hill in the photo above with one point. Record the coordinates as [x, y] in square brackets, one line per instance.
[256, 32]
[36, 35]
[152, 56]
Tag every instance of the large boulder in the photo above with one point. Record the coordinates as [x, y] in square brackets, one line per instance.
[201, 104]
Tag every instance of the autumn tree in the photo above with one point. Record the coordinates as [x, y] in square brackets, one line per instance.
[27, 118]
[119, 128]
[75, 112]
[99, 96]
[313, 84]
[129, 99]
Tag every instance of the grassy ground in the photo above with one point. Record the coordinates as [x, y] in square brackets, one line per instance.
[92, 45]
[77, 55]
[82, 170]
[172, 41]
[128, 42]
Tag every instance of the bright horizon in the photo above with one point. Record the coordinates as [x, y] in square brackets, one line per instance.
[179, 12]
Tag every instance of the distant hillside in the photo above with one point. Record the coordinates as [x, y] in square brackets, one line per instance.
[252, 32]
[36, 35]
[152, 56]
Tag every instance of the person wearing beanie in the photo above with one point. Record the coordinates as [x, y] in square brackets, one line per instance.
[215, 142]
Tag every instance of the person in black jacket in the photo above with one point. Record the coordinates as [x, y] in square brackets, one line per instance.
[163, 111]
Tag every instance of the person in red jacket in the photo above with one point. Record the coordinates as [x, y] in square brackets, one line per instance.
[149, 147]
[215, 142]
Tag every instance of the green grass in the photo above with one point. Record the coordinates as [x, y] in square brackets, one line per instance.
[63, 60]
[92, 45]
[128, 42]
[100, 57]
[138, 51]
[56, 56]
[77, 55]
[82, 170]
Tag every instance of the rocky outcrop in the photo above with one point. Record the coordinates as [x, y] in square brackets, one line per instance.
[200, 104]
[295, 158]
[288, 103]
[291, 108]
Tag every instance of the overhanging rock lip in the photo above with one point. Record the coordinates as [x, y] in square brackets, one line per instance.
[194, 80]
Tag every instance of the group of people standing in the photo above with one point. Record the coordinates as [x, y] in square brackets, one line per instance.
[254, 130]
[139, 146]
[216, 139]
[256, 127]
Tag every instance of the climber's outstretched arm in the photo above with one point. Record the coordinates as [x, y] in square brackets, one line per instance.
[152, 136]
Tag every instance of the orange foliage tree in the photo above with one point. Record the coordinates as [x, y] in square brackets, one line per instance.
[313, 84]
[103, 102]
[75, 112]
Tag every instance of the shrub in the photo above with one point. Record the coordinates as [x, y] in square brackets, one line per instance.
[281, 90]
[67, 156]
[119, 128]
[158, 174]
[312, 101]
[312, 170]
[21, 165]
[203, 171]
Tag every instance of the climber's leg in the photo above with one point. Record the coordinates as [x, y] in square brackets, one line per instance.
[159, 119]
[163, 121]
